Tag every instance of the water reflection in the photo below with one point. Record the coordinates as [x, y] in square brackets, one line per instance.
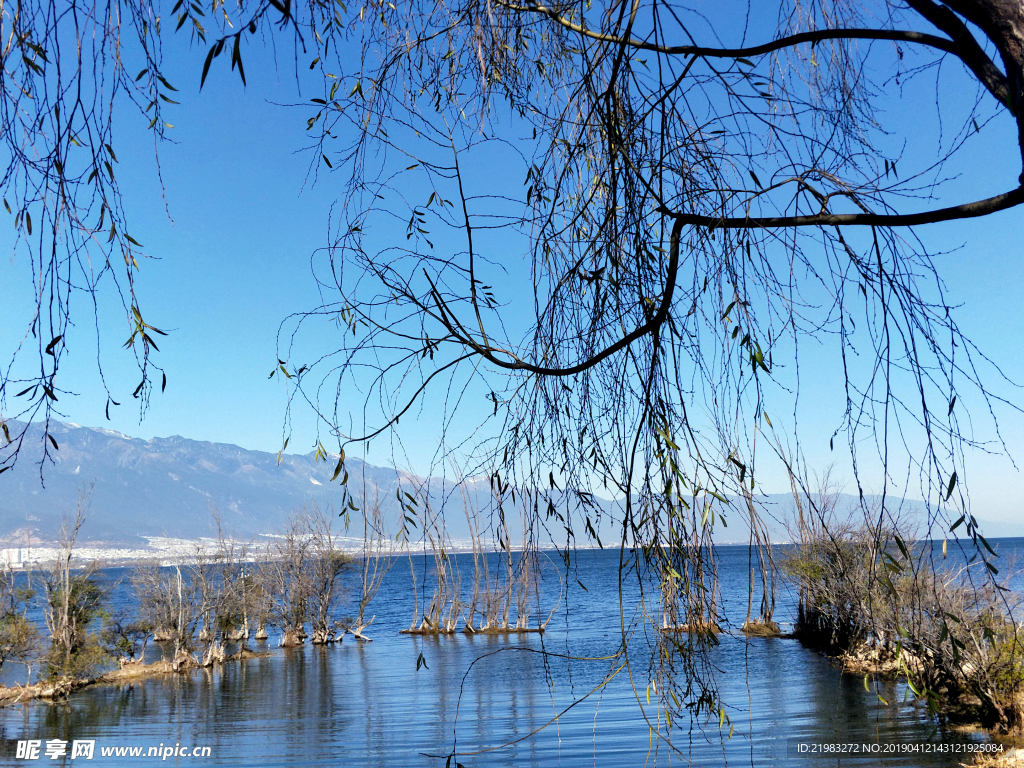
[366, 704]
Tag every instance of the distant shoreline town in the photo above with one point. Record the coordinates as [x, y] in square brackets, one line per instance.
[167, 551]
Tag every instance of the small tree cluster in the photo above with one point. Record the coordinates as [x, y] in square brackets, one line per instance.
[167, 603]
[513, 584]
[377, 559]
[125, 637]
[299, 579]
[201, 604]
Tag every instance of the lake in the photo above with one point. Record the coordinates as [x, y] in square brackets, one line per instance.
[527, 700]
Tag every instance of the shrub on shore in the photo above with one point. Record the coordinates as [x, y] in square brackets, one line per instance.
[883, 603]
[73, 602]
[19, 638]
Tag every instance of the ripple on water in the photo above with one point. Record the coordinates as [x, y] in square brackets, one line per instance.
[365, 704]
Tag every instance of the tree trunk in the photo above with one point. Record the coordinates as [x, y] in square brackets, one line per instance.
[291, 638]
[322, 636]
[1002, 21]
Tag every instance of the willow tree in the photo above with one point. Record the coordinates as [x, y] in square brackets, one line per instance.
[617, 233]
[593, 217]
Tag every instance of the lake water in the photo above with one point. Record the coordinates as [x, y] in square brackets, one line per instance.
[496, 701]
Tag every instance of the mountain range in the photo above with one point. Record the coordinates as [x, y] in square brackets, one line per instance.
[166, 487]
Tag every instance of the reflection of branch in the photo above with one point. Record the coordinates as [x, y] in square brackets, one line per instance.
[966, 211]
[607, 679]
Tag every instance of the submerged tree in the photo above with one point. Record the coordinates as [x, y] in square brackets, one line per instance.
[377, 558]
[760, 547]
[125, 637]
[298, 578]
[515, 583]
[283, 574]
[169, 603]
[198, 605]
[326, 563]
[441, 614]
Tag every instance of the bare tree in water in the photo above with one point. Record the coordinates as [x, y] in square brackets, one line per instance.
[325, 565]
[168, 601]
[377, 557]
[285, 580]
[299, 578]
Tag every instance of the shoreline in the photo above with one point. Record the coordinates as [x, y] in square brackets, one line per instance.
[130, 673]
[961, 714]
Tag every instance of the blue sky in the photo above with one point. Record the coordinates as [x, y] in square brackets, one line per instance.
[233, 260]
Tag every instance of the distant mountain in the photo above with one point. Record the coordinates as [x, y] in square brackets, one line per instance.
[166, 486]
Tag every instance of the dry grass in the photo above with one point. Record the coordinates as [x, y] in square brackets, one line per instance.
[429, 631]
[129, 673]
[761, 629]
[47, 690]
[700, 628]
[17, 693]
[136, 670]
[503, 631]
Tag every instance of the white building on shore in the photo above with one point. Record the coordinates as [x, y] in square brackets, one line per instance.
[13, 558]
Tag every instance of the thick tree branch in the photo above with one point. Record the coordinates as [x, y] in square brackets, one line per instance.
[813, 36]
[962, 45]
[1002, 21]
[651, 325]
[968, 50]
[966, 211]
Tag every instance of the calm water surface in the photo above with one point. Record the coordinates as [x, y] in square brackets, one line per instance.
[496, 701]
